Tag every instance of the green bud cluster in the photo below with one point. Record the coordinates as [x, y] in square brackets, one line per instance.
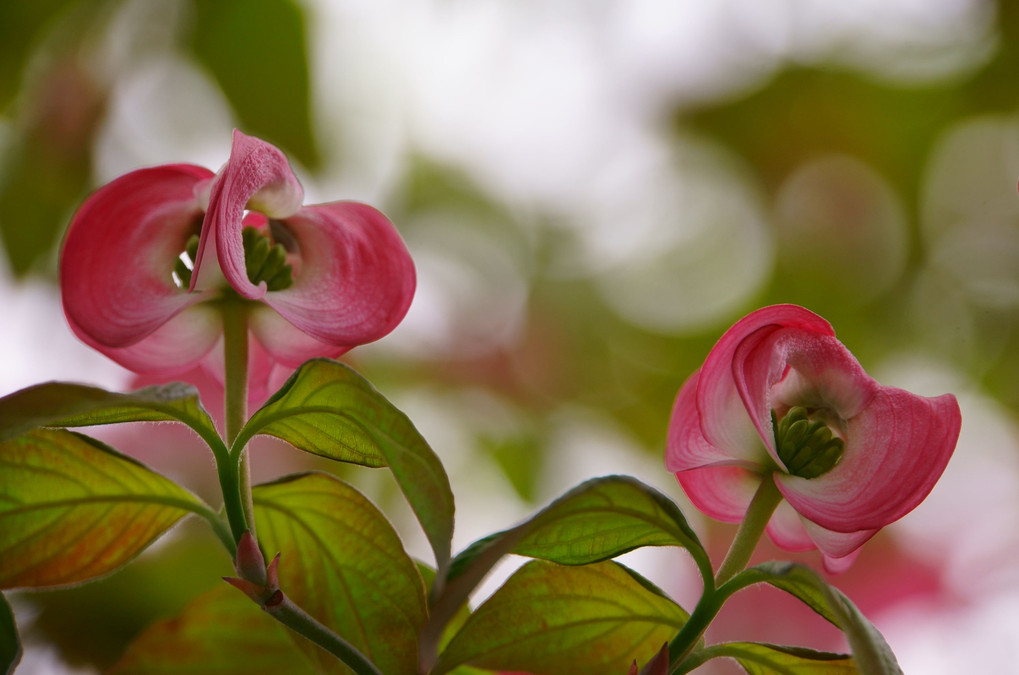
[807, 447]
[264, 261]
[182, 269]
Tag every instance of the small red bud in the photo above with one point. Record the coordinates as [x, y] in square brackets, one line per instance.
[249, 563]
[659, 665]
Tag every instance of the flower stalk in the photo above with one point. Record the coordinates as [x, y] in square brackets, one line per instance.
[764, 503]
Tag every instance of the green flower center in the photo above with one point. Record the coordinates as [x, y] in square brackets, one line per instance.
[266, 261]
[185, 263]
[263, 261]
[807, 447]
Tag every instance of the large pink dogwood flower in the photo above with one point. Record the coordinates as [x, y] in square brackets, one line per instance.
[779, 398]
[150, 258]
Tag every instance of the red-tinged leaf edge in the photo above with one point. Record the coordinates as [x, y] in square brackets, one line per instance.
[67, 546]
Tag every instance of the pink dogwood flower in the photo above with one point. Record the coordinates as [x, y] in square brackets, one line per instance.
[150, 258]
[779, 398]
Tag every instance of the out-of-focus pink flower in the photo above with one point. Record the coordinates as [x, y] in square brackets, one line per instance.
[779, 398]
[140, 287]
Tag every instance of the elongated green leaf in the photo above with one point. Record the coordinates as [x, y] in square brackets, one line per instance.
[10, 645]
[342, 562]
[63, 404]
[256, 50]
[73, 509]
[220, 632]
[870, 651]
[766, 659]
[554, 619]
[327, 409]
[599, 519]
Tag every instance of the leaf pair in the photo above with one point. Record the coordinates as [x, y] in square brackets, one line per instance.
[572, 610]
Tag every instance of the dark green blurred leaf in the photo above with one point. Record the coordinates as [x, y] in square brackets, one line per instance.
[73, 509]
[10, 645]
[327, 409]
[256, 50]
[220, 633]
[63, 404]
[47, 166]
[547, 618]
[870, 651]
[520, 458]
[765, 659]
[342, 563]
[21, 24]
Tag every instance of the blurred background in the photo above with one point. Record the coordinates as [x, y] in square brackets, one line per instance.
[593, 191]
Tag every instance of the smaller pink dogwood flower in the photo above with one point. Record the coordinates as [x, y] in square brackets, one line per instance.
[779, 398]
[150, 259]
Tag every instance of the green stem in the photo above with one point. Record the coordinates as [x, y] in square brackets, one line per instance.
[235, 477]
[764, 503]
[283, 609]
[233, 500]
[685, 641]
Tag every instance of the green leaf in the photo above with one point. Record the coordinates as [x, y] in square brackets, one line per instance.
[256, 50]
[554, 619]
[599, 519]
[342, 562]
[221, 632]
[327, 409]
[10, 645]
[870, 651]
[62, 404]
[766, 659]
[73, 509]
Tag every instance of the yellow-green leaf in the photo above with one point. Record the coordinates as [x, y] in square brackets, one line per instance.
[599, 519]
[73, 509]
[766, 659]
[342, 562]
[327, 409]
[553, 619]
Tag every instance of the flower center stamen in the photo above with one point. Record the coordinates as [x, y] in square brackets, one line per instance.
[265, 261]
[807, 447]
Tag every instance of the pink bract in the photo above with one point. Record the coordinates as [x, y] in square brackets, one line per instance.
[353, 277]
[721, 444]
